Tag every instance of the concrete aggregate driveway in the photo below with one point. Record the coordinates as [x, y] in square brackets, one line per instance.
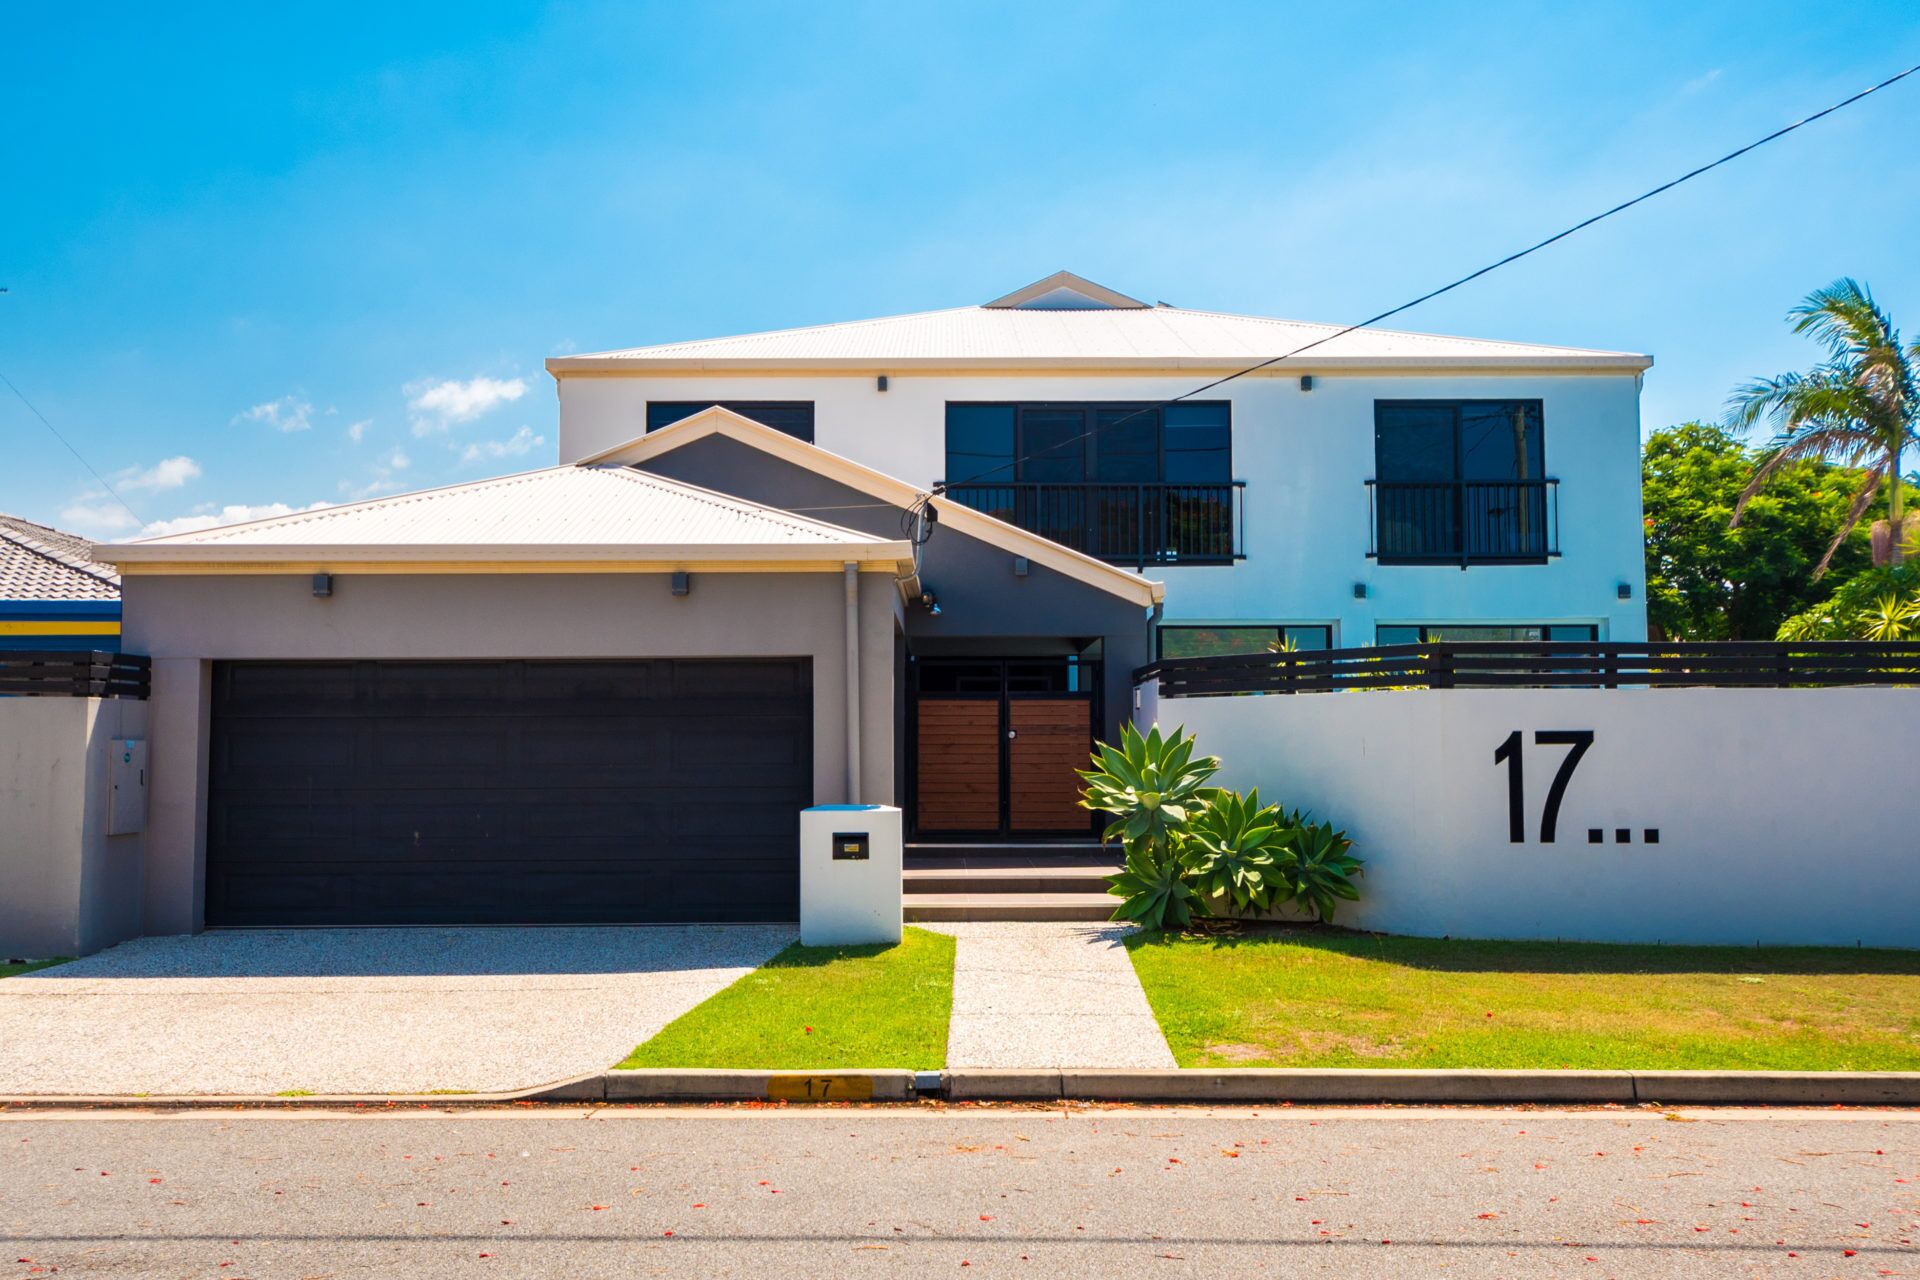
[857, 1192]
[360, 1010]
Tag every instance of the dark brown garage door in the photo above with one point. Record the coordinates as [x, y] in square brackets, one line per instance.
[507, 792]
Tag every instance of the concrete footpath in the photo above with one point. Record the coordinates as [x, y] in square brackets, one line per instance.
[1049, 995]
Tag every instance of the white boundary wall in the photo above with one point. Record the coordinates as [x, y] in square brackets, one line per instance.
[1785, 816]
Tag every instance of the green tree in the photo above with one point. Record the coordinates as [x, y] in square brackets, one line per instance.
[1711, 579]
[1860, 406]
[1876, 604]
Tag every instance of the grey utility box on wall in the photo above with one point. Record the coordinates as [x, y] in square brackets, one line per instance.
[127, 795]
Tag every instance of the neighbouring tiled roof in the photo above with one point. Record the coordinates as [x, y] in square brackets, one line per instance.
[568, 506]
[42, 563]
[1095, 335]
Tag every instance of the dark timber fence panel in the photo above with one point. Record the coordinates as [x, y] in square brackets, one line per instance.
[35, 673]
[1543, 665]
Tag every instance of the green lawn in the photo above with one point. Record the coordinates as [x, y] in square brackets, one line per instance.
[11, 970]
[1306, 998]
[821, 1009]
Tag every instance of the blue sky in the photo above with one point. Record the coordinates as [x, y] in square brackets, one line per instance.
[295, 254]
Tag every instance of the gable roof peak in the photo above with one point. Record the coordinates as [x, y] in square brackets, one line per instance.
[1065, 291]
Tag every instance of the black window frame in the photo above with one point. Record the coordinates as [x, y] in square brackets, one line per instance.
[1381, 489]
[1546, 628]
[745, 408]
[1088, 440]
[1279, 630]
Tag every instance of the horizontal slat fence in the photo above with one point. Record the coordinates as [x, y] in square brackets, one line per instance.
[36, 673]
[1544, 665]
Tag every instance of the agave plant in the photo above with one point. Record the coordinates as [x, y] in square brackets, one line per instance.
[1318, 869]
[1151, 785]
[1235, 847]
[1153, 890]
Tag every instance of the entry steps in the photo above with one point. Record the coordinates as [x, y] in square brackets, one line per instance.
[1053, 880]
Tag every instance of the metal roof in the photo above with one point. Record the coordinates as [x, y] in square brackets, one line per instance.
[41, 563]
[568, 512]
[1035, 333]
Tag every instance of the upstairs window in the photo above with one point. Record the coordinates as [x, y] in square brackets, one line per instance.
[1190, 443]
[791, 417]
[1461, 482]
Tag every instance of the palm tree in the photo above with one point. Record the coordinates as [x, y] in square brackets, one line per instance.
[1858, 407]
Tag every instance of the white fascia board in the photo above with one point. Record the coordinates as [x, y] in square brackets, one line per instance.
[641, 366]
[886, 552]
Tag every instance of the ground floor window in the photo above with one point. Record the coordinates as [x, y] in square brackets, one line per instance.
[1451, 633]
[1187, 641]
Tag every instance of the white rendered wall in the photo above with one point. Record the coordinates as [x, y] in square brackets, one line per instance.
[1774, 826]
[1305, 457]
[67, 888]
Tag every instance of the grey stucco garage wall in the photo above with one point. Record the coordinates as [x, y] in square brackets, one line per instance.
[981, 598]
[187, 622]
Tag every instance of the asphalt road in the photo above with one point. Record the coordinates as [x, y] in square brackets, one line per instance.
[964, 1192]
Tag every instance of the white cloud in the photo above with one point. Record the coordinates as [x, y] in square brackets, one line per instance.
[288, 413]
[168, 473]
[97, 516]
[233, 513]
[520, 442]
[384, 477]
[358, 431]
[438, 405]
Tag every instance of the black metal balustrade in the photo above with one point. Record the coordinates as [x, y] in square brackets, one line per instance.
[53, 673]
[1530, 664]
[1137, 524]
[1464, 522]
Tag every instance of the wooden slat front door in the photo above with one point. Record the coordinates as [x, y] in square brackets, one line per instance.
[959, 764]
[1051, 738]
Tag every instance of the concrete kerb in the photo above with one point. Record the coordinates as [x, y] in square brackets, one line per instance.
[1258, 1085]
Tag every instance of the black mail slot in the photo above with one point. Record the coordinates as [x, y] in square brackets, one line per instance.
[850, 846]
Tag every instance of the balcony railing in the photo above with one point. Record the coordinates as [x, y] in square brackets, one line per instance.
[1136, 524]
[1464, 522]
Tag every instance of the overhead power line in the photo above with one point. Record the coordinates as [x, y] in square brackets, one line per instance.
[70, 449]
[1430, 295]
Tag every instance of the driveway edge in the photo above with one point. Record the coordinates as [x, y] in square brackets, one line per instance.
[1269, 1085]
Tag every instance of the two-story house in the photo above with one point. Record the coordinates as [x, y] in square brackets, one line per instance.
[1382, 487]
[913, 560]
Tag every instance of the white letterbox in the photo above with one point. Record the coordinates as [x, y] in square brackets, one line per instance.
[850, 866]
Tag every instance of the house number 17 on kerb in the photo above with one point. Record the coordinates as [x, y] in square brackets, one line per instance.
[1509, 753]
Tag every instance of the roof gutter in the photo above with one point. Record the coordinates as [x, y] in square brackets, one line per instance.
[642, 366]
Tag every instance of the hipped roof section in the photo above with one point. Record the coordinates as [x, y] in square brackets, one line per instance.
[1067, 322]
[594, 515]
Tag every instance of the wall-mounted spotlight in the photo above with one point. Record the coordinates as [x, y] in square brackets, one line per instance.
[682, 583]
[930, 602]
[1624, 591]
[881, 382]
[322, 585]
[1359, 591]
[1306, 382]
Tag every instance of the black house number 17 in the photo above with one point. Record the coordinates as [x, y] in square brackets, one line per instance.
[1508, 753]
